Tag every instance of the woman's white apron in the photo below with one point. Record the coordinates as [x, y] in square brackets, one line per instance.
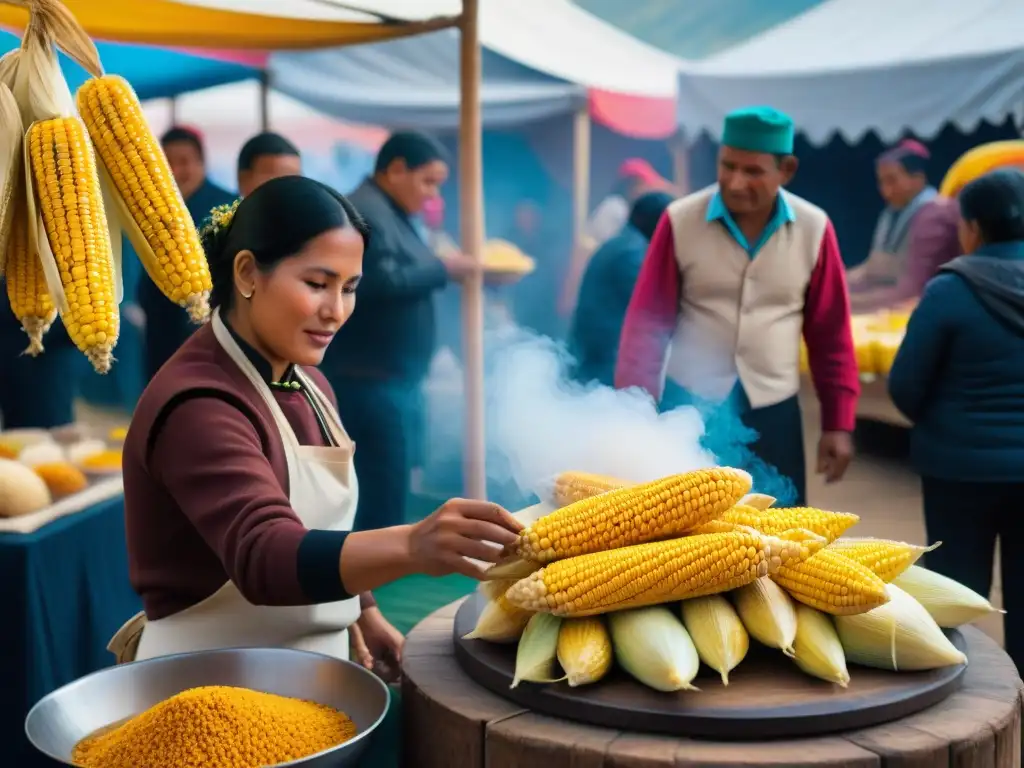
[323, 492]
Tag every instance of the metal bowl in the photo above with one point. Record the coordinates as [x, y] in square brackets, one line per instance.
[66, 716]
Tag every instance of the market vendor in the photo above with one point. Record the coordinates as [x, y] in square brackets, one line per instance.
[264, 157]
[381, 357]
[167, 325]
[903, 185]
[735, 273]
[240, 492]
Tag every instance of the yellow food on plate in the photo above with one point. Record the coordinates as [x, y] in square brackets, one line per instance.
[947, 601]
[537, 652]
[817, 650]
[584, 650]
[500, 622]
[653, 646]
[775, 520]
[884, 558]
[571, 487]
[768, 613]
[108, 460]
[832, 583]
[218, 727]
[717, 633]
[503, 256]
[62, 478]
[656, 572]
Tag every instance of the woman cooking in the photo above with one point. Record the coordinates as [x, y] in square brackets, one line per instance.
[238, 478]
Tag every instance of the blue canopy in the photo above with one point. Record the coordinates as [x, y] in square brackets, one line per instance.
[155, 73]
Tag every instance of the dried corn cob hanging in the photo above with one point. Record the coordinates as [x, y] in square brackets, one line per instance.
[67, 225]
[627, 516]
[886, 559]
[833, 584]
[27, 291]
[147, 200]
[11, 164]
[656, 572]
[571, 487]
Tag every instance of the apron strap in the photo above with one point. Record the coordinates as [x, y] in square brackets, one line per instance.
[326, 414]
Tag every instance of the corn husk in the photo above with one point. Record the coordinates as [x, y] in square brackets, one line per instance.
[717, 633]
[537, 653]
[11, 164]
[948, 601]
[817, 650]
[499, 622]
[584, 650]
[653, 646]
[899, 635]
[492, 590]
[885, 558]
[759, 501]
[768, 613]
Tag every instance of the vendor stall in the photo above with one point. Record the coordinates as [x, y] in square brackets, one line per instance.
[451, 721]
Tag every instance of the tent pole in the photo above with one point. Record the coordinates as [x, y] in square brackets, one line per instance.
[264, 101]
[174, 110]
[472, 235]
[581, 174]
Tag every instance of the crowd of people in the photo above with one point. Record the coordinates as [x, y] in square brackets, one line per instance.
[700, 300]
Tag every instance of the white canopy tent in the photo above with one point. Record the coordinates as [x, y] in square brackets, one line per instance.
[848, 67]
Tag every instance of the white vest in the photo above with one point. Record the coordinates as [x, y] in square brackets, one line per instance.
[741, 317]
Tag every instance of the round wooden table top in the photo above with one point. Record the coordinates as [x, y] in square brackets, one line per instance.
[451, 722]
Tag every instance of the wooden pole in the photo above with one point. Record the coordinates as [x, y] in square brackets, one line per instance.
[581, 173]
[471, 190]
[264, 101]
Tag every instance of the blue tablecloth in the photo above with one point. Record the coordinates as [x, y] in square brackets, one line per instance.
[64, 593]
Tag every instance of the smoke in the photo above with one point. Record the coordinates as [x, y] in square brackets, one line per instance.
[539, 424]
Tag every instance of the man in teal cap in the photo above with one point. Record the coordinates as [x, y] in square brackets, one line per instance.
[735, 275]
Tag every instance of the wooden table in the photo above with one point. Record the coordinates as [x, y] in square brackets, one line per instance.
[451, 722]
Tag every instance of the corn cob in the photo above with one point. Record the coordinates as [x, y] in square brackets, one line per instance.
[653, 646]
[576, 486]
[584, 650]
[817, 650]
[886, 559]
[27, 291]
[633, 515]
[652, 573]
[153, 212]
[773, 521]
[947, 601]
[768, 614]
[759, 501]
[717, 633]
[833, 584]
[67, 188]
[492, 590]
[11, 165]
[537, 653]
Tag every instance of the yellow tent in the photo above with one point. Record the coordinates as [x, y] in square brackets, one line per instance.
[245, 23]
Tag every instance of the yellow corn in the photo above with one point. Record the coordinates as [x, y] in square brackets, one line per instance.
[576, 486]
[833, 584]
[68, 191]
[633, 515]
[886, 559]
[584, 650]
[817, 650]
[500, 622]
[768, 614]
[26, 285]
[492, 590]
[717, 633]
[156, 219]
[652, 573]
[773, 521]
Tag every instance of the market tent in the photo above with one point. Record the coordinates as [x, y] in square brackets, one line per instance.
[158, 72]
[252, 24]
[849, 67]
[541, 58]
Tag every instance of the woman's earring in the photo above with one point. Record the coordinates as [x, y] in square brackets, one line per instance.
[248, 295]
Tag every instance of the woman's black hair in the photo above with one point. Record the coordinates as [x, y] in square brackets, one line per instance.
[647, 212]
[415, 148]
[995, 202]
[179, 135]
[910, 155]
[274, 222]
[261, 145]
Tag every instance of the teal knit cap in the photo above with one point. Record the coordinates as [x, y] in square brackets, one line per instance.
[759, 129]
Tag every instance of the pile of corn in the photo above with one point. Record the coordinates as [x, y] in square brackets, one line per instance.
[503, 256]
[661, 576]
[876, 338]
[76, 174]
[217, 727]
